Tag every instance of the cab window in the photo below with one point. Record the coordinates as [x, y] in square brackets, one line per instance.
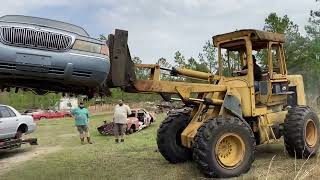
[276, 59]
[232, 57]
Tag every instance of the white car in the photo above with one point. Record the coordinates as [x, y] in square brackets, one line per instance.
[13, 124]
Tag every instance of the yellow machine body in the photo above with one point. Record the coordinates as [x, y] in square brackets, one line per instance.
[234, 95]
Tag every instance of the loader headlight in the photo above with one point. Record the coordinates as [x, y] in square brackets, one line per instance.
[87, 46]
[284, 88]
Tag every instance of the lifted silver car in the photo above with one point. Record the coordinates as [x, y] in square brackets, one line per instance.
[48, 55]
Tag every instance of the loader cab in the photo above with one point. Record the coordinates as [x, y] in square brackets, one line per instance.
[235, 51]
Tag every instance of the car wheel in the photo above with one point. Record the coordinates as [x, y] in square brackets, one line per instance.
[169, 138]
[301, 132]
[132, 129]
[224, 147]
[21, 129]
[43, 118]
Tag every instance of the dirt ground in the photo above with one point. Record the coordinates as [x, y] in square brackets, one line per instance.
[11, 158]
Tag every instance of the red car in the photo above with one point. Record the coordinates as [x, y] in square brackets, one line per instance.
[50, 114]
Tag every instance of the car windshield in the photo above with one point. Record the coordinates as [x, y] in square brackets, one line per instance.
[141, 111]
[133, 114]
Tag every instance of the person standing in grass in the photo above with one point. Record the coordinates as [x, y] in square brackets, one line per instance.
[121, 112]
[81, 116]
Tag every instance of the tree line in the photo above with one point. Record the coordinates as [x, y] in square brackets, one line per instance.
[302, 51]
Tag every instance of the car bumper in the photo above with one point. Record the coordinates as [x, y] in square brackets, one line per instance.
[31, 128]
[67, 68]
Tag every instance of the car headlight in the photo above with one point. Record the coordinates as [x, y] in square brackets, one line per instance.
[90, 47]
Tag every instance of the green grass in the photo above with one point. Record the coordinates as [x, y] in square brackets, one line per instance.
[137, 158]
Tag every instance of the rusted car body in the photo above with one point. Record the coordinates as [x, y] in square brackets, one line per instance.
[138, 120]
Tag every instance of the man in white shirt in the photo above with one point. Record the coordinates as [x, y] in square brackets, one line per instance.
[121, 112]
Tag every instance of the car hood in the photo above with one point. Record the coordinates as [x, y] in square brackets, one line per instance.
[132, 119]
[44, 23]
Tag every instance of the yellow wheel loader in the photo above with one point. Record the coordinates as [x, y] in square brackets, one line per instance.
[229, 113]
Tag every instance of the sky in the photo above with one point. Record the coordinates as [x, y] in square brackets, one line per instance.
[160, 28]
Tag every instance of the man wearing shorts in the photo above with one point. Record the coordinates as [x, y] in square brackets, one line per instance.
[121, 112]
[81, 116]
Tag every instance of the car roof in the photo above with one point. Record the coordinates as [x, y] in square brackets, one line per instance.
[3, 105]
[137, 109]
[45, 22]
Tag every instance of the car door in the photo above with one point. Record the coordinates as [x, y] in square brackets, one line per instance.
[8, 122]
[148, 117]
[54, 114]
[58, 114]
[145, 117]
[49, 114]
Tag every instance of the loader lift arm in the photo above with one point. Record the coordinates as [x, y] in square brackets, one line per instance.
[122, 74]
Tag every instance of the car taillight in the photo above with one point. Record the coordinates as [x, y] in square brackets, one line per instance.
[104, 50]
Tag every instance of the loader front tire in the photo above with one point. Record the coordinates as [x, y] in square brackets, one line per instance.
[224, 147]
[301, 132]
[169, 138]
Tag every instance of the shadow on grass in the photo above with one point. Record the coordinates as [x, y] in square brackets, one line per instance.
[6, 153]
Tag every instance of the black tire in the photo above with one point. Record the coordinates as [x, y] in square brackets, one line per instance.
[296, 136]
[169, 139]
[214, 132]
[131, 130]
[23, 128]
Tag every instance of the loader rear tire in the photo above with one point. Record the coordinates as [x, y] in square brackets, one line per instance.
[169, 138]
[224, 147]
[301, 132]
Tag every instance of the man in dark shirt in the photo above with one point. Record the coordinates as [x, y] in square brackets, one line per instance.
[257, 73]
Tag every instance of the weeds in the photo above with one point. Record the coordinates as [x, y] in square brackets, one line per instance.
[270, 166]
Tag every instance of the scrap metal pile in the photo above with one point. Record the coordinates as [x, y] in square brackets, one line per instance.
[106, 129]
